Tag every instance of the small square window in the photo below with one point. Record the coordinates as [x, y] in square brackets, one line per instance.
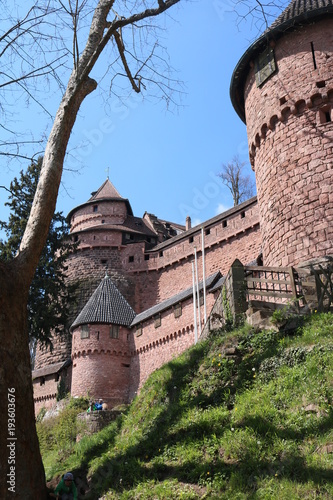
[84, 332]
[95, 208]
[138, 330]
[325, 115]
[131, 258]
[147, 256]
[207, 232]
[114, 332]
[157, 320]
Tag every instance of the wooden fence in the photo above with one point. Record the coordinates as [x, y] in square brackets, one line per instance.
[272, 284]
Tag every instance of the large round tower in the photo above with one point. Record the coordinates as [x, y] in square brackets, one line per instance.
[282, 88]
[98, 227]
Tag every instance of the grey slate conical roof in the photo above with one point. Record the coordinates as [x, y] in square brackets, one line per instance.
[297, 13]
[106, 305]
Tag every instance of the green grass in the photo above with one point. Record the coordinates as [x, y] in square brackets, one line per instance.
[207, 426]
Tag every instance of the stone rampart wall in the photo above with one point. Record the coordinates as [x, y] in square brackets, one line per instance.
[154, 346]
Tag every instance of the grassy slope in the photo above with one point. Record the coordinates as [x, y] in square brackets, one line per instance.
[208, 425]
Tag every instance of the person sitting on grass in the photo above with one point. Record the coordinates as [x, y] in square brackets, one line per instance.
[66, 489]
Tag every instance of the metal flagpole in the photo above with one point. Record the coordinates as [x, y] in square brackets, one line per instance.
[194, 308]
[197, 279]
[204, 274]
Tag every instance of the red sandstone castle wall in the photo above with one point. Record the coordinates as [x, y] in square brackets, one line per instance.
[241, 239]
[62, 347]
[292, 147]
[156, 346]
[106, 212]
[101, 365]
[45, 389]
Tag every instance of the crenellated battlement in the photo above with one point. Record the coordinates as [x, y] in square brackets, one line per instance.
[320, 104]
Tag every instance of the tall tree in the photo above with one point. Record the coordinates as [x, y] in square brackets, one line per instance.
[50, 295]
[241, 185]
[112, 23]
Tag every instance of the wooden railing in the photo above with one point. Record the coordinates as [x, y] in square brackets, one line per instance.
[273, 284]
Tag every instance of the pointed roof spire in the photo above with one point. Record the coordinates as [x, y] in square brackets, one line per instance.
[107, 190]
[106, 305]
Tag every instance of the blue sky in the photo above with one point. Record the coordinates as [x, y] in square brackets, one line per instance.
[165, 162]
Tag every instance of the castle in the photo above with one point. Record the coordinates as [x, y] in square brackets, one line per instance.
[135, 274]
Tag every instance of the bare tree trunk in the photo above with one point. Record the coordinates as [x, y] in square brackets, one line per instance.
[22, 471]
[21, 468]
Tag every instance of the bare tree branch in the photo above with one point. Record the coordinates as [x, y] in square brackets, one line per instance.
[239, 184]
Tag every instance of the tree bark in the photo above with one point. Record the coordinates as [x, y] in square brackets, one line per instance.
[20, 455]
[22, 470]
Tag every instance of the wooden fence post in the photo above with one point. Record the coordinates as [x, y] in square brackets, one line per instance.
[235, 291]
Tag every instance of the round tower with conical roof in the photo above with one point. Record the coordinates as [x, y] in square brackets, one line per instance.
[98, 226]
[282, 88]
[100, 346]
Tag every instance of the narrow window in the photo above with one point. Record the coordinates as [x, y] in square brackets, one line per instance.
[190, 240]
[76, 238]
[264, 66]
[157, 320]
[325, 115]
[161, 253]
[207, 232]
[114, 332]
[242, 215]
[224, 223]
[313, 56]
[95, 208]
[84, 332]
[138, 330]
[131, 258]
[177, 310]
